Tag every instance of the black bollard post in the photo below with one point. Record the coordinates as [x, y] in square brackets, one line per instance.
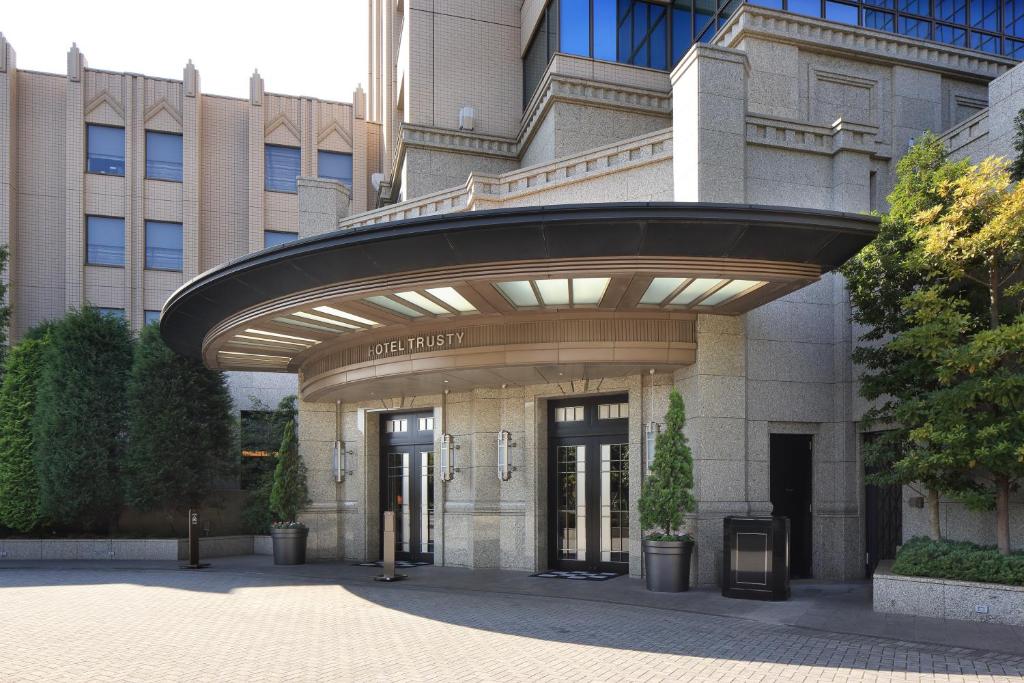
[193, 542]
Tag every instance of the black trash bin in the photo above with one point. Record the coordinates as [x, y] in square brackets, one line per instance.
[756, 558]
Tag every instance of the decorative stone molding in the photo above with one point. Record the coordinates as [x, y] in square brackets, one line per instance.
[807, 137]
[162, 106]
[967, 131]
[412, 135]
[750, 20]
[104, 98]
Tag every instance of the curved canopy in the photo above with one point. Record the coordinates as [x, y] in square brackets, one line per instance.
[562, 234]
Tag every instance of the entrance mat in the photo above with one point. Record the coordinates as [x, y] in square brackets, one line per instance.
[399, 564]
[577, 575]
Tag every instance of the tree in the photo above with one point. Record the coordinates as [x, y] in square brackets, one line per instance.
[667, 491]
[80, 419]
[262, 431]
[880, 278]
[1017, 167]
[289, 493]
[19, 484]
[974, 239]
[5, 309]
[180, 433]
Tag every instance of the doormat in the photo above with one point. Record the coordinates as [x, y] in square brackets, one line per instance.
[399, 564]
[577, 575]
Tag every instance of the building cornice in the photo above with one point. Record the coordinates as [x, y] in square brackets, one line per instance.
[865, 43]
[841, 136]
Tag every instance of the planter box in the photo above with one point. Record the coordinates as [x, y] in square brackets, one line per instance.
[946, 598]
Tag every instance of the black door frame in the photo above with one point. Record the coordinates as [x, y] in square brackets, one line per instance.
[415, 441]
[590, 433]
[801, 517]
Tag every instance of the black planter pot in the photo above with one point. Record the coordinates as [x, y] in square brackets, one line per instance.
[289, 545]
[667, 565]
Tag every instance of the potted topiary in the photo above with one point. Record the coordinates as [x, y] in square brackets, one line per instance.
[287, 497]
[665, 496]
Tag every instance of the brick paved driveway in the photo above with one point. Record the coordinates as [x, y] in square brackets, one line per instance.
[158, 625]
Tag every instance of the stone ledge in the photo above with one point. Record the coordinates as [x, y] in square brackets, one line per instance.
[946, 598]
[123, 548]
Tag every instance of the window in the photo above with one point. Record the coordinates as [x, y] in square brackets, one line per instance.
[612, 411]
[881, 21]
[104, 241]
[915, 28]
[281, 168]
[919, 7]
[1013, 48]
[426, 424]
[569, 414]
[574, 33]
[104, 150]
[951, 35]
[163, 156]
[335, 165]
[163, 246]
[272, 238]
[809, 7]
[1013, 19]
[111, 312]
[151, 317]
[843, 13]
[985, 14]
[985, 42]
[396, 426]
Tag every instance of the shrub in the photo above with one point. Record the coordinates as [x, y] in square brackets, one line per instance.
[289, 493]
[80, 420]
[19, 483]
[959, 561]
[666, 493]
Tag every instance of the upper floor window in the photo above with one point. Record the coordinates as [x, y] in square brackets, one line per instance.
[281, 168]
[163, 156]
[163, 246]
[111, 312]
[104, 241]
[272, 238]
[151, 317]
[104, 150]
[334, 165]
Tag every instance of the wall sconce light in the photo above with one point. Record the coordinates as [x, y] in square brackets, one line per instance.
[447, 458]
[341, 462]
[651, 431]
[505, 468]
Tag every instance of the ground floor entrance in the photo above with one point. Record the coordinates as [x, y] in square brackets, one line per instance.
[588, 484]
[407, 483]
[790, 475]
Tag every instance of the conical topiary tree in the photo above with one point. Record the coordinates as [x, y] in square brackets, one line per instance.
[667, 491]
[289, 493]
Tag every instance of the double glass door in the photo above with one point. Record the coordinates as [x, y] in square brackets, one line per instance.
[407, 483]
[589, 484]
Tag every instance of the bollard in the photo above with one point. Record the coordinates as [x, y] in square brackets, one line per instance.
[193, 542]
[389, 550]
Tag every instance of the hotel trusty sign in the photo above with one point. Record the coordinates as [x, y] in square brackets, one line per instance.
[416, 344]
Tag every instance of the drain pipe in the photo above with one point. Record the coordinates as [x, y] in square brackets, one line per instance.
[444, 484]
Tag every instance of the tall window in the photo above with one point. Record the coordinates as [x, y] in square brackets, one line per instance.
[104, 150]
[334, 165]
[151, 317]
[104, 241]
[163, 156]
[272, 238]
[163, 246]
[281, 168]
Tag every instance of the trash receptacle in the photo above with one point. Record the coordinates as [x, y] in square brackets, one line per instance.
[756, 558]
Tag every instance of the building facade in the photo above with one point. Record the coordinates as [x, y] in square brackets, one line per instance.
[559, 212]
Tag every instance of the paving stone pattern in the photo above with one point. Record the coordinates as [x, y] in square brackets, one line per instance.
[165, 625]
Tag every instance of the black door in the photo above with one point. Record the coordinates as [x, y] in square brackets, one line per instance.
[407, 483]
[588, 484]
[790, 473]
[883, 519]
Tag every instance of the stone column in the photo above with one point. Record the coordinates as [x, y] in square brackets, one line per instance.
[192, 128]
[74, 180]
[322, 204]
[361, 166]
[8, 180]
[134, 197]
[317, 432]
[257, 134]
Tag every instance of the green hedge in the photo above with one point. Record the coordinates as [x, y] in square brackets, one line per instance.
[960, 561]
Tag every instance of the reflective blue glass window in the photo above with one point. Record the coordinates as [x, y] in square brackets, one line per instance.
[334, 165]
[953, 11]
[682, 33]
[104, 241]
[1013, 17]
[281, 168]
[703, 10]
[272, 238]
[574, 27]
[880, 21]
[811, 8]
[151, 317]
[919, 7]
[915, 28]
[111, 312]
[888, 4]
[1013, 48]
[951, 35]
[658, 37]
[604, 29]
[639, 51]
[104, 150]
[985, 14]
[163, 246]
[773, 4]
[163, 156]
[841, 12]
[985, 42]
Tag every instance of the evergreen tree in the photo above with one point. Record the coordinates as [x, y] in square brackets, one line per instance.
[1017, 167]
[80, 419]
[5, 309]
[179, 429]
[289, 492]
[19, 484]
[667, 491]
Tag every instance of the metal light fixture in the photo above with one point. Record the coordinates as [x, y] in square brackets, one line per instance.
[447, 458]
[340, 460]
[651, 431]
[505, 467]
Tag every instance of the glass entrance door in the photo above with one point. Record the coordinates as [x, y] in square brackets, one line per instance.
[407, 483]
[589, 485]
